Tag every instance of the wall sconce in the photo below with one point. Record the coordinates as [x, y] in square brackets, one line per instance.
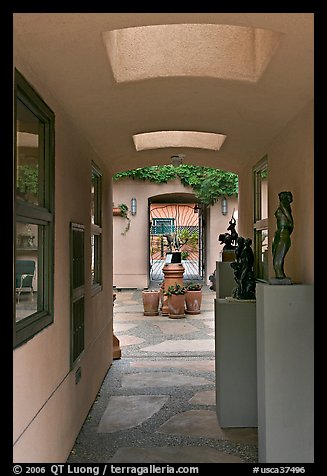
[133, 206]
[224, 206]
[196, 208]
[177, 160]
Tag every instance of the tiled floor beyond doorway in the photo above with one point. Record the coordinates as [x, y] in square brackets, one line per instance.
[157, 403]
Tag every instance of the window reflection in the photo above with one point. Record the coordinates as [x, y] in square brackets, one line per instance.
[28, 155]
[26, 269]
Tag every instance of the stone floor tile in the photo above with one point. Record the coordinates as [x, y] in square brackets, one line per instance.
[175, 327]
[208, 397]
[125, 309]
[202, 316]
[171, 454]
[200, 365]
[129, 340]
[130, 316]
[161, 379]
[241, 435]
[129, 411]
[195, 345]
[123, 327]
[194, 423]
[210, 324]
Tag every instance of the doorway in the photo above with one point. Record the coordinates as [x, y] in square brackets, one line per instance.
[185, 221]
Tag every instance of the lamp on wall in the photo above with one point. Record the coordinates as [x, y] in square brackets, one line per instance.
[224, 206]
[177, 160]
[133, 206]
[196, 208]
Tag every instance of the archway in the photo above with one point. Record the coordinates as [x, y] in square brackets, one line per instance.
[181, 216]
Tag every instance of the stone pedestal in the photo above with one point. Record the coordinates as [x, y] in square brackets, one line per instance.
[116, 347]
[225, 282]
[285, 373]
[236, 364]
[173, 273]
[228, 256]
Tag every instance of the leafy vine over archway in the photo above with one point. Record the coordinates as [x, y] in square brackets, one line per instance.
[208, 183]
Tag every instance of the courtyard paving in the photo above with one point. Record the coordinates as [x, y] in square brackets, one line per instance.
[157, 403]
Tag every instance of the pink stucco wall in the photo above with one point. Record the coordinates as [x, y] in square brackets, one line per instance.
[49, 408]
[131, 255]
[291, 167]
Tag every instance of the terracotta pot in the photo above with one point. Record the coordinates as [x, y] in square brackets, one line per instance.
[176, 306]
[116, 212]
[150, 302]
[193, 301]
[161, 298]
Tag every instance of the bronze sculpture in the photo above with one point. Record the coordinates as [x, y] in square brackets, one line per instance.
[229, 240]
[243, 269]
[282, 239]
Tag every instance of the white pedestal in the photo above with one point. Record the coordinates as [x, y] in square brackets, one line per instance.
[236, 365]
[225, 282]
[285, 373]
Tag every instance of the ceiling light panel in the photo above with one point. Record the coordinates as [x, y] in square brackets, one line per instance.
[192, 139]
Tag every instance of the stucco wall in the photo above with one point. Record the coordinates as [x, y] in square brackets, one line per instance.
[217, 223]
[291, 166]
[131, 255]
[49, 408]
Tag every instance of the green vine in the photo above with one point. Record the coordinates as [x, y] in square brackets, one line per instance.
[208, 183]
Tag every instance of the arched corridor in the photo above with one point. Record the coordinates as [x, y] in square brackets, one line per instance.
[99, 93]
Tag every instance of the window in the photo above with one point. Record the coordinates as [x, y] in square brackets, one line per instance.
[96, 230]
[77, 281]
[161, 226]
[260, 177]
[33, 212]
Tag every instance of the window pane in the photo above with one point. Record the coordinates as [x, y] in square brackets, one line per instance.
[27, 274]
[92, 201]
[96, 198]
[264, 194]
[261, 252]
[78, 258]
[96, 259]
[29, 139]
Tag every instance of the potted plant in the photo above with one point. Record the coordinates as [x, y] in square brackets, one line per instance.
[176, 301]
[150, 299]
[122, 211]
[193, 298]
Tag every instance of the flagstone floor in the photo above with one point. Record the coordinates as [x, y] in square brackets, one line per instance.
[157, 403]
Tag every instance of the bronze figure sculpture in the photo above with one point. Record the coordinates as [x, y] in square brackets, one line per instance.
[243, 270]
[282, 239]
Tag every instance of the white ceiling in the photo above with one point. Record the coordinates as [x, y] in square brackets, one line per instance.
[67, 51]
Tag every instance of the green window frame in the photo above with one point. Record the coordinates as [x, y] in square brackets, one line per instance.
[34, 157]
[260, 220]
[96, 228]
[77, 291]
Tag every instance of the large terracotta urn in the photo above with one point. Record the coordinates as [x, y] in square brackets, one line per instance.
[173, 274]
